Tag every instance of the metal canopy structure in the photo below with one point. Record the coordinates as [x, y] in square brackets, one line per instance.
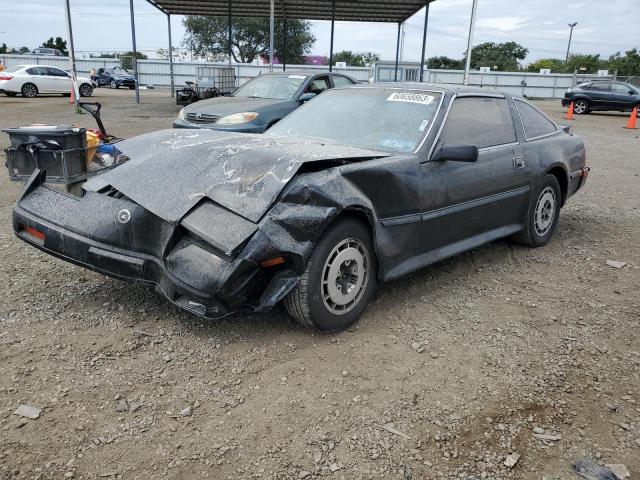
[386, 11]
[390, 11]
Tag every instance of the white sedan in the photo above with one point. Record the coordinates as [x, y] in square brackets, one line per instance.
[30, 80]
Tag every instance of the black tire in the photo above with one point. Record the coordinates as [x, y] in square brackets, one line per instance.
[581, 107]
[29, 90]
[309, 302]
[533, 234]
[10, 94]
[114, 84]
[85, 90]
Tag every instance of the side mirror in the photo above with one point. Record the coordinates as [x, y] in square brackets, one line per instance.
[631, 92]
[465, 153]
[305, 97]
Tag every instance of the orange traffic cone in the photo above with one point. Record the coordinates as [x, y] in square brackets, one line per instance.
[631, 124]
[569, 114]
[72, 97]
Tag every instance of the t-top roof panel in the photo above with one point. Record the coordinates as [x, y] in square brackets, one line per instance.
[345, 10]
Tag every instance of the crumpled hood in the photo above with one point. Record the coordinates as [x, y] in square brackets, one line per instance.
[227, 105]
[170, 171]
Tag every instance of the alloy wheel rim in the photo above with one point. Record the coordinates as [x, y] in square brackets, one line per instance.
[30, 91]
[580, 107]
[84, 90]
[545, 211]
[345, 276]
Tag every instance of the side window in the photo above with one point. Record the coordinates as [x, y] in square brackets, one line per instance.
[36, 71]
[340, 81]
[479, 121]
[318, 85]
[599, 87]
[56, 72]
[535, 123]
[617, 88]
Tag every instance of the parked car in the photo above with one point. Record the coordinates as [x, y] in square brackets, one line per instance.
[602, 95]
[31, 80]
[259, 103]
[362, 185]
[53, 52]
[116, 77]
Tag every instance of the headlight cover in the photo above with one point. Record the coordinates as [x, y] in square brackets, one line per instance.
[181, 114]
[243, 117]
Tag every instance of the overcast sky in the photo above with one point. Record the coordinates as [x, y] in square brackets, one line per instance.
[604, 27]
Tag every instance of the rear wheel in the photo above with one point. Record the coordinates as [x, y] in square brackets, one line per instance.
[543, 215]
[339, 281]
[29, 90]
[85, 90]
[581, 107]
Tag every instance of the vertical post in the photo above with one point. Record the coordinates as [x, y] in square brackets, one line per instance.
[472, 23]
[333, 21]
[571, 25]
[170, 55]
[395, 75]
[272, 21]
[72, 56]
[135, 52]
[424, 38]
[229, 32]
[284, 44]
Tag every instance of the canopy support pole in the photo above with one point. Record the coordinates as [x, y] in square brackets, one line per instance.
[272, 21]
[170, 56]
[424, 37]
[284, 44]
[333, 21]
[229, 34]
[72, 57]
[472, 23]
[135, 52]
[395, 75]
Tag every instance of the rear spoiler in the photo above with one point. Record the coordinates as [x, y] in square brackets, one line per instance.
[38, 177]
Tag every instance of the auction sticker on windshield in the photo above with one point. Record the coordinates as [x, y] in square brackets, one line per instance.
[411, 97]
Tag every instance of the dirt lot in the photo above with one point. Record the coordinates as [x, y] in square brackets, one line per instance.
[513, 339]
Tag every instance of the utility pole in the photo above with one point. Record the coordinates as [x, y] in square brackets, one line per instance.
[571, 25]
[472, 23]
[72, 56]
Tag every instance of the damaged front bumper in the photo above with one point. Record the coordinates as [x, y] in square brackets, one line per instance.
[120, 239]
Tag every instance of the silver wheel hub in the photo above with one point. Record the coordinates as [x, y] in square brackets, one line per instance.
[545, 211]
[580, 107]
[345, 276]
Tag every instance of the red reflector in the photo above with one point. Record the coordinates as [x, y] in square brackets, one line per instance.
[272, 262]
[585, 172]
[33, 232]
[5, 77]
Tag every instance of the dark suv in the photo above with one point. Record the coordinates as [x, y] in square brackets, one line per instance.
[602, 95]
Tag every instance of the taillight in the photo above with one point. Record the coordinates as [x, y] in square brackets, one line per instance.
[34, 233]
[5, 77]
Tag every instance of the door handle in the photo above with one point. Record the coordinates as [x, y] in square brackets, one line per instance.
[518, 162]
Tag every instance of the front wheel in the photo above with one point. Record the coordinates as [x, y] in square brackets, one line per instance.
[114, 84]
[581, 107]
[339, 281]
[543, 214]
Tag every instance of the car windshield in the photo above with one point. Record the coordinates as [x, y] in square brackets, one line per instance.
[280, 87]
[389, 119]
[120, 71]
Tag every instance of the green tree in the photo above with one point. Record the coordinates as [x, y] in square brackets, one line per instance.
[585, 63]
[499, 56]
[58, 43]
[627, 64]
[356, 59]
[23, 50]
[208, 37]
[3, 48]
[554, 64]
[445, 63]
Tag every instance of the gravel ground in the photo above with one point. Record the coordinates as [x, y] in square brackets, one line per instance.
[511, 339]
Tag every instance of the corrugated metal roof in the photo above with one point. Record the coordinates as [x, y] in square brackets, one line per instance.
[346, 10]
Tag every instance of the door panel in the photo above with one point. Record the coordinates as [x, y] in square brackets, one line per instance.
[620, 96]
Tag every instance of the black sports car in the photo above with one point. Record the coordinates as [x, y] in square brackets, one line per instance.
[115, 77]
[362, 185]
